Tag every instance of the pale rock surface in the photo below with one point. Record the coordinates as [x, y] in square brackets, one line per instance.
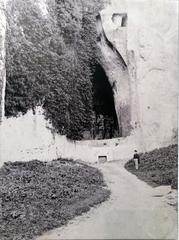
[31, 137]
[150, 51]
[141, 64]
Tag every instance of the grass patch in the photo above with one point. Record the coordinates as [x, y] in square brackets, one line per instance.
[158, 167]
[38, 196]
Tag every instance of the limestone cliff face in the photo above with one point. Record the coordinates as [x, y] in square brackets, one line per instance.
[2, 56]
[140, 57]
[138, 42]
[115, 63]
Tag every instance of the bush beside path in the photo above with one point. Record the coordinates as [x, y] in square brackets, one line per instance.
[158, 167]
[39, 196]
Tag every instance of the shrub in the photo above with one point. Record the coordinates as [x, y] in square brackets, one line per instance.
[49, 62]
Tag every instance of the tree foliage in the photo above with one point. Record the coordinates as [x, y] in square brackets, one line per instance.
[49, 61]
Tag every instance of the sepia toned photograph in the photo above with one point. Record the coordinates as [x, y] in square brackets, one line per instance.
[89, 119]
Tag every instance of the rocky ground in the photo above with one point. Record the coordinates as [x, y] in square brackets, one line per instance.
[38, 196]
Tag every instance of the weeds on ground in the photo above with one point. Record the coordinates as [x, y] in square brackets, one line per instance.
[158, 167]
[38, 196]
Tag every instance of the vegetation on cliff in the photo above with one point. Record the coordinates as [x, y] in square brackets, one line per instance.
[158, 167]
[50, 62]
[38, 196]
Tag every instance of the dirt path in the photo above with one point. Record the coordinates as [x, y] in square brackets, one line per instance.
[135, 210]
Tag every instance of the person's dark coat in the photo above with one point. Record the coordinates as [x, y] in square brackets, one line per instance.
[136, 155]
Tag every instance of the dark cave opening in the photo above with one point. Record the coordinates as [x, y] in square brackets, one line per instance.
[105, 122]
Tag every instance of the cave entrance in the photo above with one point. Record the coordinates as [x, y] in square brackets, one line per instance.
[105, 124]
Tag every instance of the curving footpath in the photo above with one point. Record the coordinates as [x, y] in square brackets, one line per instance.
[134, 211]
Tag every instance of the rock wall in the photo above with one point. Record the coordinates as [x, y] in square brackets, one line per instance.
[114, 62]
[145, 35]
[2, 56]
[139, 43]
[31, 137]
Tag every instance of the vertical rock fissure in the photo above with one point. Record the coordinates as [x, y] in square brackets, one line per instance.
[117, 72]
[106, 123]
[102, 37]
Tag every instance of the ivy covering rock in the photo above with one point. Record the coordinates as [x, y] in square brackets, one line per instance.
[50, 62]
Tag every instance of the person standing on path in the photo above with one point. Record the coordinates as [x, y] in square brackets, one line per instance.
[136, 159]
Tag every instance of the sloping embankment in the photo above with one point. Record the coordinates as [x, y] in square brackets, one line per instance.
[158, 167]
